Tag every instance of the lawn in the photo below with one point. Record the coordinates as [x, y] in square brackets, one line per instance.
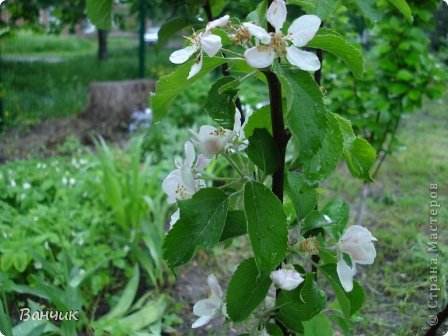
[398, 215]
[48, 76]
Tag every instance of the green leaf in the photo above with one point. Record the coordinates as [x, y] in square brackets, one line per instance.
[319, 325]
[404, 9]
[305, 115]
[100, 13]
[150, 313]
[5, 323]
[273, 330]
[324, 8]
[338, 212]
[303, 201]
[261, 118]
[329, 272]
[258, 15]
[247, 289]
[20, 261]
[369, 10]
[327, 158]
[266, 224]
[300, 304]
[329, 40]
[356, 297]
[170, 86]
[263, 151]
[170, 28]
[235, 225]
[405, 75]
[314, 220]
[201, 223]
[358, 153]
[126, 298]
[221, 106]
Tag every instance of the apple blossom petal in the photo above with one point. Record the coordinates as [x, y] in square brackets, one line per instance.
[174, 218]
[345, 274]
[189, 153]
[303, 29]
[214, 286]
[210, 44]
[206, 307]
[237, 121]
[202, 321]
[286, 279]
[260, 57]
[195, 68]
[304, 60]
[218, 23]
[170, 184]
[182, 55]
[202, 162]
[258, 32]
[276, 14]
[188, 179]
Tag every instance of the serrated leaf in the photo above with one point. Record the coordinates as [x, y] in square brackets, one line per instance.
[261, 118]
[404, 9]
[170, 86]
[263, 151]
[319, 325]
[327, 158]
[235, 225]
[100, 13]
[305, 115]
[302, 303]
[266, 224]
[170, 28]
[201, 223]
[329, 40]
[303, 201]
[358, 153]
[247, 289]
[221, 106]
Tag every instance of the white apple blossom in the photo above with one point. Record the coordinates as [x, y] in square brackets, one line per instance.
[212, 141]
[182, 183]
[357, 243]
[174, 218]
[286, 279]
[273, 45]
[207, 309]
[264, 332]
[202, 42]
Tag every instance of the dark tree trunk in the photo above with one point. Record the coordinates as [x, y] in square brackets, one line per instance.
[102, 44]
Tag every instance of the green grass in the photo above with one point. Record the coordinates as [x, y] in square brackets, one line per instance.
[398, 214]
[39, 90]
[28, 43]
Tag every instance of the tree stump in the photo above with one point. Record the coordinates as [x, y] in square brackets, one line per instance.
[111, 103]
